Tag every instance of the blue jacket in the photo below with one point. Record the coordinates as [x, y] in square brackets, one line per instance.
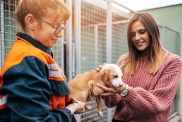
[32, 85]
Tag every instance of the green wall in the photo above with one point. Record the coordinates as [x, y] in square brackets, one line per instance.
[171, 17]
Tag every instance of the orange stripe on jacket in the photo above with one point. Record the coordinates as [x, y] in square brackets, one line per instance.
[59, 102]
[26, 50]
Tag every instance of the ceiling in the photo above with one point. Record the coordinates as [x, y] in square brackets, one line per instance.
[138, 5]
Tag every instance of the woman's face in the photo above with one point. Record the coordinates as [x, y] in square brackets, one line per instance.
[140, 36]
[45, 33]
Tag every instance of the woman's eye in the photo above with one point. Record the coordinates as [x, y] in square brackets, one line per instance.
[133, 34]
[142, 31]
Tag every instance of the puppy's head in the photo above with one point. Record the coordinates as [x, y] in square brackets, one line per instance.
[111, 74]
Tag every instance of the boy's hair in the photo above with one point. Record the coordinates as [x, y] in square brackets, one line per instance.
[38, 8]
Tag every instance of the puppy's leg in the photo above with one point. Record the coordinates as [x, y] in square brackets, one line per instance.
[99, 105]
[90, 94]
[87, 106]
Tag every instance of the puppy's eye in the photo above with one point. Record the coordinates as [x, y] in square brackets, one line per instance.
[115, 76]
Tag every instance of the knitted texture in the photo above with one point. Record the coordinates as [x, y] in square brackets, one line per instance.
[152, 95]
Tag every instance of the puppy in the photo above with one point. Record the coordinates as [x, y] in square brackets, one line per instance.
[84, 86]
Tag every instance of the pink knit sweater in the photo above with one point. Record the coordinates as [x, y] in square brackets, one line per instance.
[151, 97]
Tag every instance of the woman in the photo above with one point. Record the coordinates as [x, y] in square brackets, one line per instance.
[151, 75]
[32, 86]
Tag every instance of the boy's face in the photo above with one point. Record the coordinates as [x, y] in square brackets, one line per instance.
[47, 30]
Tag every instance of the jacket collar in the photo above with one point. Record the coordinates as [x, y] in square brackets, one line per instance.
[34, 42]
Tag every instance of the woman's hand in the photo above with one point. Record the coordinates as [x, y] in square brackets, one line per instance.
[110, 90]
[77, 107]
[99, 68]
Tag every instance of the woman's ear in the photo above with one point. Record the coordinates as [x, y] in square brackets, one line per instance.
[30, 22]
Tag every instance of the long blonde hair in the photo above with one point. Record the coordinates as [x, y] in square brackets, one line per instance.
[155, 56]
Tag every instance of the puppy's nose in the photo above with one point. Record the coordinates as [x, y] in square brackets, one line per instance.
[120, 85]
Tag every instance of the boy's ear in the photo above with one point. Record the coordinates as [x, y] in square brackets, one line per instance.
[30, 22]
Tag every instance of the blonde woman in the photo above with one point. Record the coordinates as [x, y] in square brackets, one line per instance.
[151, 75]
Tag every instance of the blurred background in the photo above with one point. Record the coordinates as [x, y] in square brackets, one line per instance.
[96, 33]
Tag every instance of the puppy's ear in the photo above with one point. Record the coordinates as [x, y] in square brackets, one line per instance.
[104, 74]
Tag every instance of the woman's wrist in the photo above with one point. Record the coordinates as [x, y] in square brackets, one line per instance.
[125, 91]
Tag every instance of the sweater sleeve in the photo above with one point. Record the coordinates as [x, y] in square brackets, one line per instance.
[29, 90]
[161, 97]
[112, 100]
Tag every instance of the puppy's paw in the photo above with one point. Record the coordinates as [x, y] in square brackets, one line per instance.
[88, 106]
[73, 100]
[100, 114]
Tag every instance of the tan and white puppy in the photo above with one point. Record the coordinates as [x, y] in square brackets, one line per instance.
[84, 86]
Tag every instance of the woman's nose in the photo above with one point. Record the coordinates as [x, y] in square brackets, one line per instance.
[137, 36]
